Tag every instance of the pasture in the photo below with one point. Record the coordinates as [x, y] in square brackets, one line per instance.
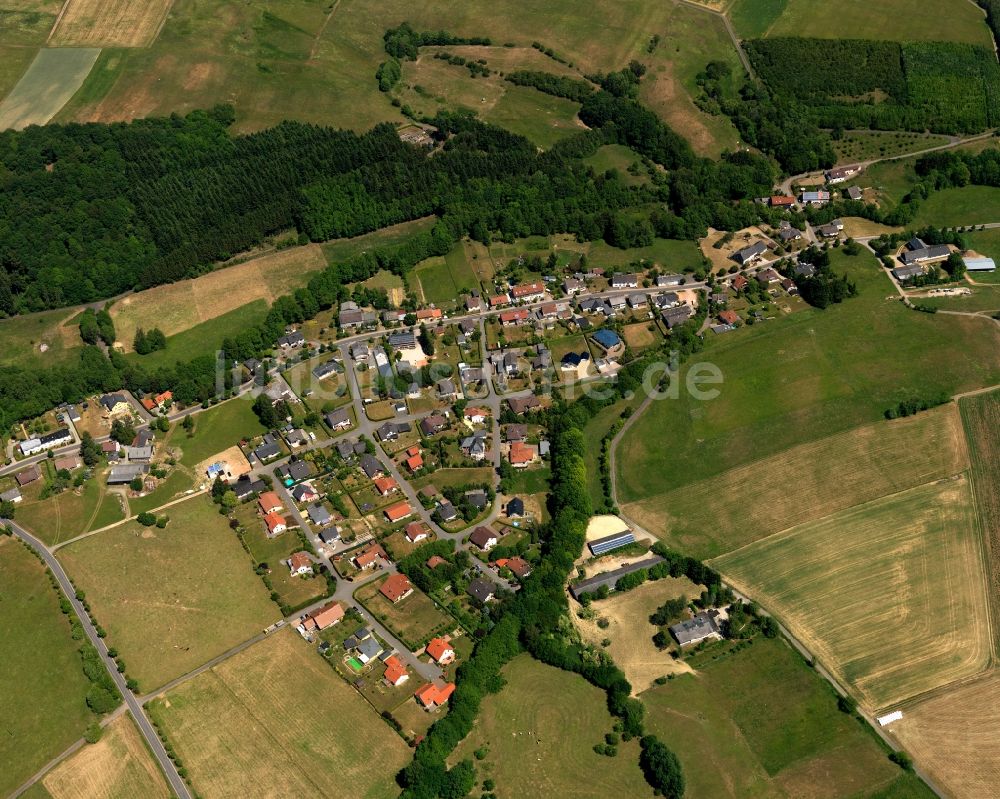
[53, 77]
[119, 766]
[26, 335]
[631, 633]
[969, 205]
[547, 743]
[295, 591]
[42, 705]
[981, 416]
[620, 158]
[276, 720]
[170, 599]
[443, 278]
[690, 39]
[414, 620]
[180, 306]
[26, 22]
[725, 512]
[953, 736]
[118, 23]
[801, 378]
[893, 20]
[888, 595]
[760, 723]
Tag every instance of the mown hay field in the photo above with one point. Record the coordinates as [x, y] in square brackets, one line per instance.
[539, 732]
[760, 723]
[53, 77]
[953, 735]
[807, 482]
[630, 632]
[276, 720]
[981, 415]
[109, 23]
[170, 599]
[176, 307]
[42, 703]
[119, 766]
[888, 595]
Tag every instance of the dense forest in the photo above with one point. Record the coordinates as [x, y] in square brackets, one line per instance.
[944, 87]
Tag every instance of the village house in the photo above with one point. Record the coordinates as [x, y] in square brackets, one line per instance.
[703, 626]
[11, 495]
[115, 405]
[398, 512]
[854, 193]
[517, 565]
[395, 672]
[499, 300]
[528, 292]
[676, 316]
[517, 316]
[385, 486]
[414, 462]
[294, 338]
[300, 563]
[370, 466]
[841, 173]
[609, 341]
[474, 303]
[122, 475]
[474, 446]
[327, 369]
[515, 508]
[749, 255]
[446, 389]
[440, 651]
[339, 419]
[484, 538]
[483, 591]
[432, 696]
[767, 276]
[729, 317]
[446, 512]
[319, 515]
[294, 470]
[327, 616]
[396, 588]
[433, 424]
[820, 197]
[56, 438]
[572, 286]
[304, 492]
[369, 556]
[781, 201]
[521, 405]
[28, 476]
[624, 280]
[522, 455]
[402, 340]
[416, 532]
[275, 524]
[476, 415]
[515, 432]
[428, 313]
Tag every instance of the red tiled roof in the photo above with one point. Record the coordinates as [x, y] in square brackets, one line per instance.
[434, 561]
[414, 462]
[299, 560]
[439, 649]
[268, 501]
[394, 670]
[729, 317]
[273, 521]
[431, 695]
[521, 452]
[396, 587]
[398, 511]
[414, 530]
[384, 485]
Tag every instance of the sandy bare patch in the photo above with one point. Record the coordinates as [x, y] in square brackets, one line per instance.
[721, 257]
[109, 23]
[233, 459]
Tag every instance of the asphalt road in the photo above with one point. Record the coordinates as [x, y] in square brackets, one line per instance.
[178, 785]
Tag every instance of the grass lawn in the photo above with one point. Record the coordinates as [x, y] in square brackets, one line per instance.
[530, 481]
[891, 180]
[539, 732]
[542, 118]
[42, 705]
[119, 766]
[443, 478]
[595, 430]
[443, 279]
[204, 338]
[969, 205]
[277, 720]
[170, 488]
[888, 595]
[895, 20]
[414, 620]
[215, 430]
[801, 378]
[68, 514]
[760, 723]
[171, 599]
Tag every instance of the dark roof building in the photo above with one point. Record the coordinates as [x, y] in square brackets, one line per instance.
[614, 541]
[610, 578]
[699, 628]
[482, 591]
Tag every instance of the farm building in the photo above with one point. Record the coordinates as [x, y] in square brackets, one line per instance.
[121, 475]
[610, 579]
[980, 264]
[907, 272]
[700, 628]
[607, 543]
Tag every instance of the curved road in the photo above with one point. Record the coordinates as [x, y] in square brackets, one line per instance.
[177, 785]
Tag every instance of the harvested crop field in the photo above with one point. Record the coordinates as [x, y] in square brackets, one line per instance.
[53, 77]
[630, 632]
[118, 766]
[174, 598]
[807, 482]
[888, 595]
[176, 307]
[276, 720]
[981, 415]
[953, 736]
[109, 23]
